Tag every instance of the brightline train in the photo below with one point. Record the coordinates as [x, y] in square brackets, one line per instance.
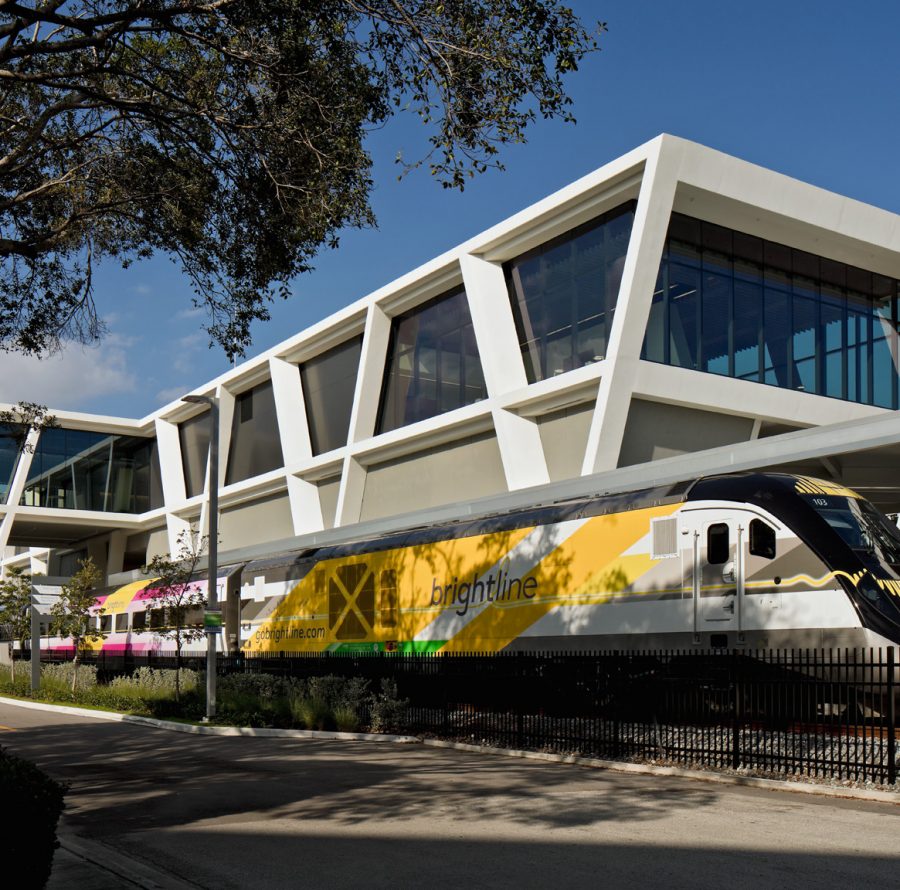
[760, 560]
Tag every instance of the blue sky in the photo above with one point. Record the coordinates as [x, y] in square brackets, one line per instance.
[806, 88]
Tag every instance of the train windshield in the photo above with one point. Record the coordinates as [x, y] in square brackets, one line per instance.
[860, 526]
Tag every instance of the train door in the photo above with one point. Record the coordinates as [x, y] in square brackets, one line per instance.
[713, 567]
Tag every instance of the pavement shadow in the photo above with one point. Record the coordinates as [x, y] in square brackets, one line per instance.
[126, 778]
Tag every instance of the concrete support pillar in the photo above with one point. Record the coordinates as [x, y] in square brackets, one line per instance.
[651, 222]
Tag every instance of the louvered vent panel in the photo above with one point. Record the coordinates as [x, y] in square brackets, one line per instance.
[663, 538]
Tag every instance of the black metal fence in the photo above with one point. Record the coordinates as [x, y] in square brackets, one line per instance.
[826, 714]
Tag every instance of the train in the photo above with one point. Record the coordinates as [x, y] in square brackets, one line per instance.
[755, 560]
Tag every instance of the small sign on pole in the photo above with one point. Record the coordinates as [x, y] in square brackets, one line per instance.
[212, 621]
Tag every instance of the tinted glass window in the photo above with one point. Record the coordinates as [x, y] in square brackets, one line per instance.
[329, 382]
[564, 295]
[9, 456]
[255, 442]
[194, 437]
[433, 363]
[731, 304]
[762, 539]
[122, 622]
[717, 544]
[83, 470]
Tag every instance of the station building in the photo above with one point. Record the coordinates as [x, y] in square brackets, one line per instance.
[675, 313]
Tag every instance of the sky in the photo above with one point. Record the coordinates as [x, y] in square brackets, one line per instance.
[806, 87]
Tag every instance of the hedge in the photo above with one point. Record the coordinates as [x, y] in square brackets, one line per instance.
[32, 803]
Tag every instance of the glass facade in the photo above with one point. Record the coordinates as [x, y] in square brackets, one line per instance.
[732, 304]
[255, 443]
[433, 364]
[193, 436]
[564, 294]
[83, 470]
[329, 381]
[10, 439]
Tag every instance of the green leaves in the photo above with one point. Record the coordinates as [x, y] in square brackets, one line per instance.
[232, 136]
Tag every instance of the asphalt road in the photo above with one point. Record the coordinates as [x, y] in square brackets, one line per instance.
[277, 813]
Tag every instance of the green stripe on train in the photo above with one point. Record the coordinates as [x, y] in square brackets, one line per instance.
[407, 647]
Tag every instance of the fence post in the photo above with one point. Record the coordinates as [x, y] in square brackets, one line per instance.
[891, 720]
[736, 725]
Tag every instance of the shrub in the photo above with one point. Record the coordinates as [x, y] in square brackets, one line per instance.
[346, 719]
[34, 801]
[22, 684]
[148, 683]
[312, 712]
[389, 712]
[339, 692]
[56, 679]
[264, 687]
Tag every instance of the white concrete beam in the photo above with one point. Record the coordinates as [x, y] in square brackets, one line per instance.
[495, 328]
[521, 450]
[651, 222]
[364, 414]
[170, 463]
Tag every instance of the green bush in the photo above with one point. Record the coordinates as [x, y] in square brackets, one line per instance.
[149, 683]
[348, 693]
[312, 712]
[22, 684]
[33, 801]
[346, 719]
[56, 679]
[389, 713]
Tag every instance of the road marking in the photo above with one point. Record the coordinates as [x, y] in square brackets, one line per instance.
[7, 728]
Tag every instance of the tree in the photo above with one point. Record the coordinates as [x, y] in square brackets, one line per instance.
[15, 608]
[23, 419]
[229, 134]
[72, 614]
[179, 599]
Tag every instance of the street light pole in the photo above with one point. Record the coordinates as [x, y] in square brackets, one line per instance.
[213, 627]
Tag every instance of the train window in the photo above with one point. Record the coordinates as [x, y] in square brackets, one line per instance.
[388, 599]
[122, 621]
[762, 539]
[138, 620]
[717, 544]
[157, 618]
[105, 623]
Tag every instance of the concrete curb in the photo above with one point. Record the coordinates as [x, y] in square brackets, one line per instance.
[128, 870]
[195, 729]
[648, 769]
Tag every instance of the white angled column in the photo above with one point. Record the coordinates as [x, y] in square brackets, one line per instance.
[17, 486]
[170, 463]
[226, 415]
[364, 414]
[296, 445]
[518, 438]
[648, 235]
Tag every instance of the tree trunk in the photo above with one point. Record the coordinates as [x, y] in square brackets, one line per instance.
[177, 664]
[12, 663]
[75, 662]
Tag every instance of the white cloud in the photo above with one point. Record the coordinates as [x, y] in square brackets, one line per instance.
[187, 350]
[191, 313]
[73, 379]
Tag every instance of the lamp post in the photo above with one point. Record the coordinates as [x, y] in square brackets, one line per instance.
[212, 627]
